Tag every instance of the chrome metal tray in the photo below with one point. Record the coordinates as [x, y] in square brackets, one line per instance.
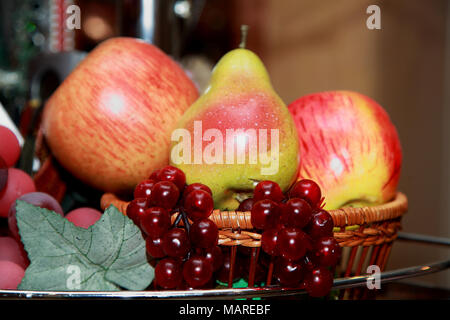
[339, 283]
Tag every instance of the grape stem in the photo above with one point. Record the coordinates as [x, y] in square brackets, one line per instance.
[185, 220]
[178, 218]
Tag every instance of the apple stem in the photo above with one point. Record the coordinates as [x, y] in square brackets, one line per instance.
[244, 32]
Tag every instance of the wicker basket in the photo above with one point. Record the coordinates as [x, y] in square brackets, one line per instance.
[365, 234]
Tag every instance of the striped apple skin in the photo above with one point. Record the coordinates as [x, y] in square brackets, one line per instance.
[109, 123]
[349, 146]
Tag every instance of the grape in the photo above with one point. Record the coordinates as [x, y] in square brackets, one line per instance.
[11, 275]
[155, 175]
[176, 243]
[308, 263]
[155, 222]
[246, 205]
[269, 241]
[318, 282]
[197, 271]
[321, 225]
[19, 183]
[144, 189]
[164, 194]
[168, 273]
[308, 190]
[198, 205]
[12, 250]
[296, 213]
[204, 234]
[38, 199]
[289, 273]
[292, 243]
[174, 175]
[154, 247]
[327, 251]
[3, 175]
[195, 186]
[265, 214]
[260, 271]
[84, 217]
[214, 256]
[136, 208]
[9, 146]
[268, 190]
[224, 271]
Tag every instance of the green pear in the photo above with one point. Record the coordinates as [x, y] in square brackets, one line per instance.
[239, 132]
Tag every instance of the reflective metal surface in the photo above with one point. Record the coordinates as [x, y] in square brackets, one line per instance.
[340, 283]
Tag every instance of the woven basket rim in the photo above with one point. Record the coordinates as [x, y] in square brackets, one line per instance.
[342, 217]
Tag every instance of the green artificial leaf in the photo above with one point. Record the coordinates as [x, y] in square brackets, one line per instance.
[108, 256]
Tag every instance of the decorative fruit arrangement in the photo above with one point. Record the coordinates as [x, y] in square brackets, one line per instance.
[16, 185]
[299, 233]
[187, 254]
[296, 232]
[128, 120]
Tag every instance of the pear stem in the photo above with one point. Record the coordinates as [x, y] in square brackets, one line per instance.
[244, 32]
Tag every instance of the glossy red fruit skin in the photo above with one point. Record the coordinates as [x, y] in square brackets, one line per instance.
[164, 194]
[204, 234]
[38, 199]
[155, 175]
[296, 213]
[198, 205]
[246, 205]
[144, 189]
[265, 214]
[195, 186]
[176, 243]
[197, 271]
[268, 190]
[3, 175]
[9, 146]
[136, 208]
[155, 221]
[292, 243]
[19, 183]
[269, 242]
[174, 175]
[224, 272]
[321, 225]
[154, 247]
[289, 273]
[308, 190]
[168, 273]
[318, 282]
[215, 256]
[327, 252]
[307, 263]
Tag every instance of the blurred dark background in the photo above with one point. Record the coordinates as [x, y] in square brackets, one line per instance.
[307, 46]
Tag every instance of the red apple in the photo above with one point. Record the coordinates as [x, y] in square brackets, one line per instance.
[349, 146]
[109, 123]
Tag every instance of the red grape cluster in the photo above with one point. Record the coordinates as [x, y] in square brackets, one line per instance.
[297, 232]
[186, 256]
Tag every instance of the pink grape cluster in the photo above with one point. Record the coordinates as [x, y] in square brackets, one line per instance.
[186, 256]
[16, 184]
[297, 232]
